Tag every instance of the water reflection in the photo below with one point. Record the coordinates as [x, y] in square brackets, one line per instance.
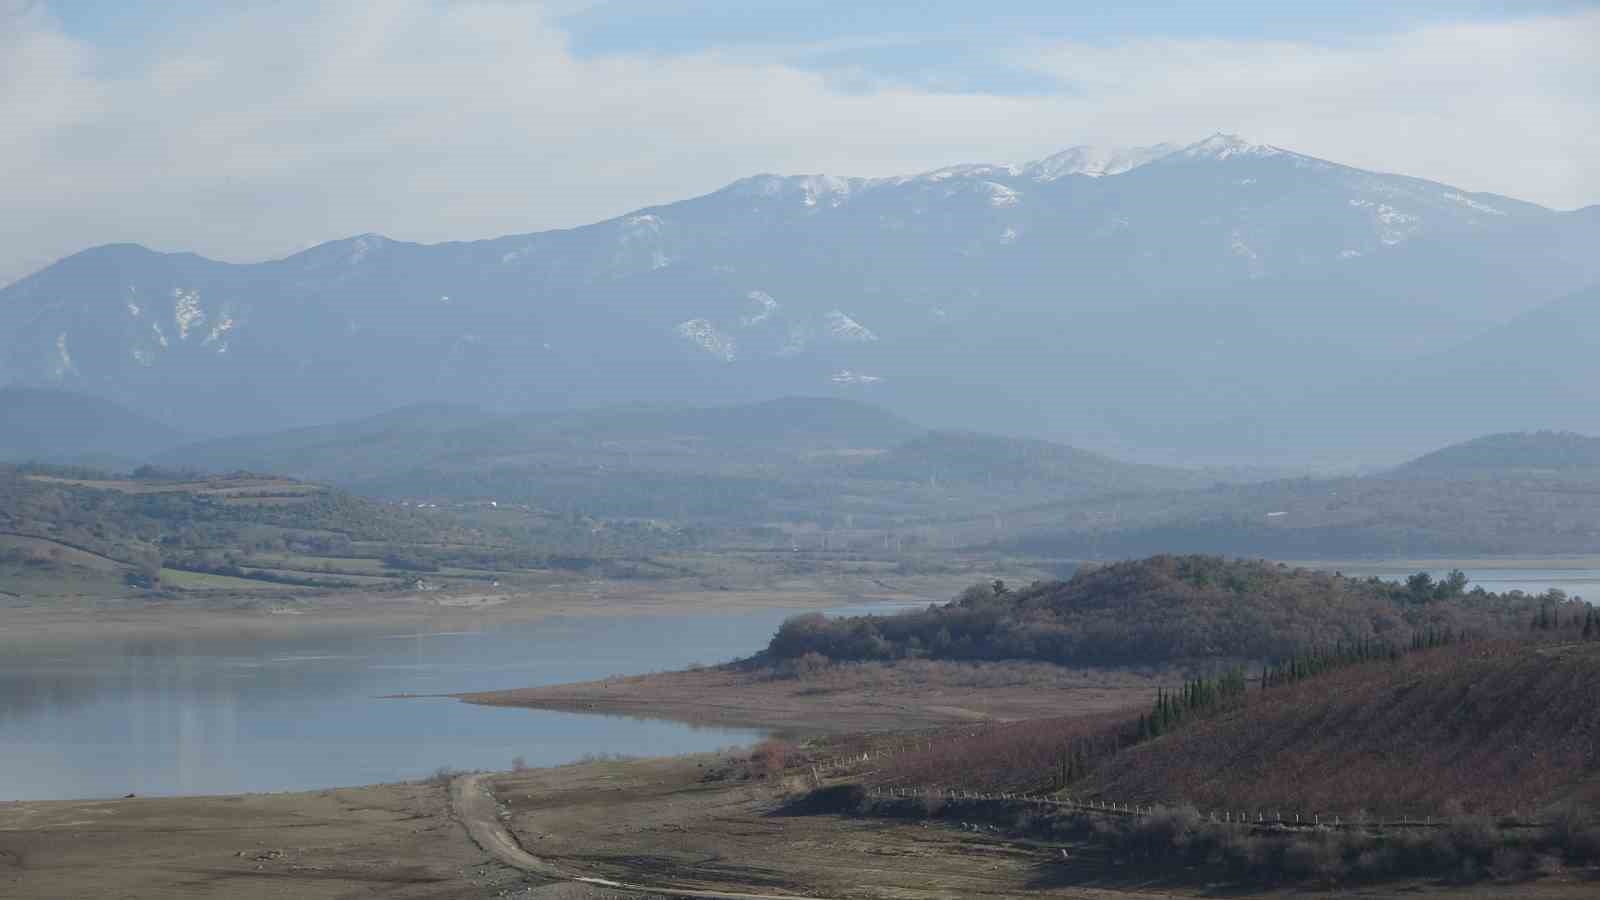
[222, 716]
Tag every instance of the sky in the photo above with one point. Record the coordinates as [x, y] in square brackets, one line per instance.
[250, 130]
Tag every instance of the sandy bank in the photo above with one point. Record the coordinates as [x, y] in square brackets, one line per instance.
[851, 698]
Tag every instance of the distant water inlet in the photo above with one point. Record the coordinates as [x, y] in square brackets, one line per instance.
[1583, 583]
[295, 713]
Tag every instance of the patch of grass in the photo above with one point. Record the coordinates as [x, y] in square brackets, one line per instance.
[204, 581]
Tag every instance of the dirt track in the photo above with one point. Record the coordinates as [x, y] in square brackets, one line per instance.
[682, 827]
[475, 806]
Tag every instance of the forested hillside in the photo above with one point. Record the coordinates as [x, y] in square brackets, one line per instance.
[1166, 610]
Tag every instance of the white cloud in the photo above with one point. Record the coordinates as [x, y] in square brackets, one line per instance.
[255, 134]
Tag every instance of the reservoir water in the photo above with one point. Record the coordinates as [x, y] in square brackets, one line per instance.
[217, 716]
[213, 716]
[1583, 583]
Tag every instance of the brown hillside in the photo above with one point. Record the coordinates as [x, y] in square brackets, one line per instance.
[1491, 728]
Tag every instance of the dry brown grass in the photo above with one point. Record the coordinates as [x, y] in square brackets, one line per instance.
[1020, 756]
[1494, 728]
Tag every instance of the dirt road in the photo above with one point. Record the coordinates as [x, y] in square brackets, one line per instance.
[480, 814]
[476, 808]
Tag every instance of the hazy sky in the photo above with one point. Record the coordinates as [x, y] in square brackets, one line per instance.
[250, 130]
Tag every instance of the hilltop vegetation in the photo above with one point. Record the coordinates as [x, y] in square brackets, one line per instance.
[71, 530]
[1450, 757]
[1165, 610]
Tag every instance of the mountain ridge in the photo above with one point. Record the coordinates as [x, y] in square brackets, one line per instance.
[938, 295]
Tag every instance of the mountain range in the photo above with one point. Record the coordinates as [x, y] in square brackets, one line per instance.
[1223, 301]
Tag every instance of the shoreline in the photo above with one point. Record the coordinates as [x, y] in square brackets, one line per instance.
[268, 614]
[848, 699]
[426, 612]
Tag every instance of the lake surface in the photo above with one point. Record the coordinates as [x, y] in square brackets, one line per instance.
[219, 716]
[1583, 583]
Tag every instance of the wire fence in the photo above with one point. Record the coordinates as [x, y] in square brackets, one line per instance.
[1244, 818]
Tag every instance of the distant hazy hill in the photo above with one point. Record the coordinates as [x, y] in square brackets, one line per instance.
[369, 445]
[1514, 454]
[797, 459]
[61, 426]
[703, 438]
[1171, 303]
[964, 456]
[1531, 493]
[1535, 372]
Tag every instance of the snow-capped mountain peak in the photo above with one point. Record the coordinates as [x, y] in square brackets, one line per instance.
[1226, 146]
[808, 190]
[1095, 162]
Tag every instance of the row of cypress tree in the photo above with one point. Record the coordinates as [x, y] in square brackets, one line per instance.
[1198, 697]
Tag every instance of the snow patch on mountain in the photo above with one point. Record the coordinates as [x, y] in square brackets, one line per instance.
[845, 376]
[134, 310]
[1221, 147]
[221, 328]
[1000, 196]
[705, 335]
[764, 307]
[1095, 162]
[186, 311]
[809, 190]
[965, 170]
[1470, 203]
[640, 233]
[1227, 146]
[843, 328]
[828, 189]
[64, 364]
[1238, 247]
[362, 245]
[1393, 225]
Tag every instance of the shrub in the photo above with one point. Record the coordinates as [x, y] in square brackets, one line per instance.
[770, 757]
